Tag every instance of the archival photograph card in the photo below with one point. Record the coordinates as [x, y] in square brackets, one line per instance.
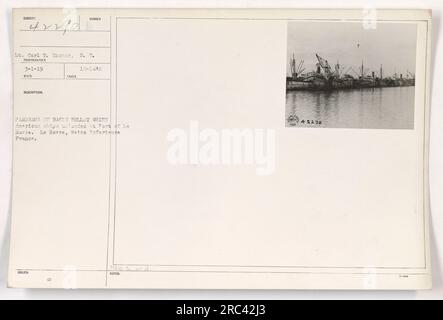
[220, 149]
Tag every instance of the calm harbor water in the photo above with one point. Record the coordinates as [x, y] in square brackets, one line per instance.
[371, 108]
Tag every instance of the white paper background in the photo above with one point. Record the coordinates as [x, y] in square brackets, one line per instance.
[436, 159]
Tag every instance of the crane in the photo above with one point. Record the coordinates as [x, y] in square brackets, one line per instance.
[325, 65]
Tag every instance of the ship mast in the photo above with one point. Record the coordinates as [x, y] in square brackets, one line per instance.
[362, 70]
[293, 71]
[337, 69]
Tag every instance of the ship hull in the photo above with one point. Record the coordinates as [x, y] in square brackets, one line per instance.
[334, 84]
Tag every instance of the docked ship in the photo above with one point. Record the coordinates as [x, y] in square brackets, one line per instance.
[325, 78]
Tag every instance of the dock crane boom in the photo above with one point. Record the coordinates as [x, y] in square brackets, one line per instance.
[325, 65]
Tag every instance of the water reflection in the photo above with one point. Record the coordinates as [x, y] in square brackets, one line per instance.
[387, 108]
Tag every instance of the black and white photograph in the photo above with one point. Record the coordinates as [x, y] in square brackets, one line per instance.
[350, 75]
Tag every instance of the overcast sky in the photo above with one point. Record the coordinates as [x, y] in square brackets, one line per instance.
[390, 44]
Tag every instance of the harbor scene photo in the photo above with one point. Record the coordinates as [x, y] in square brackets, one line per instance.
[343, 75]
